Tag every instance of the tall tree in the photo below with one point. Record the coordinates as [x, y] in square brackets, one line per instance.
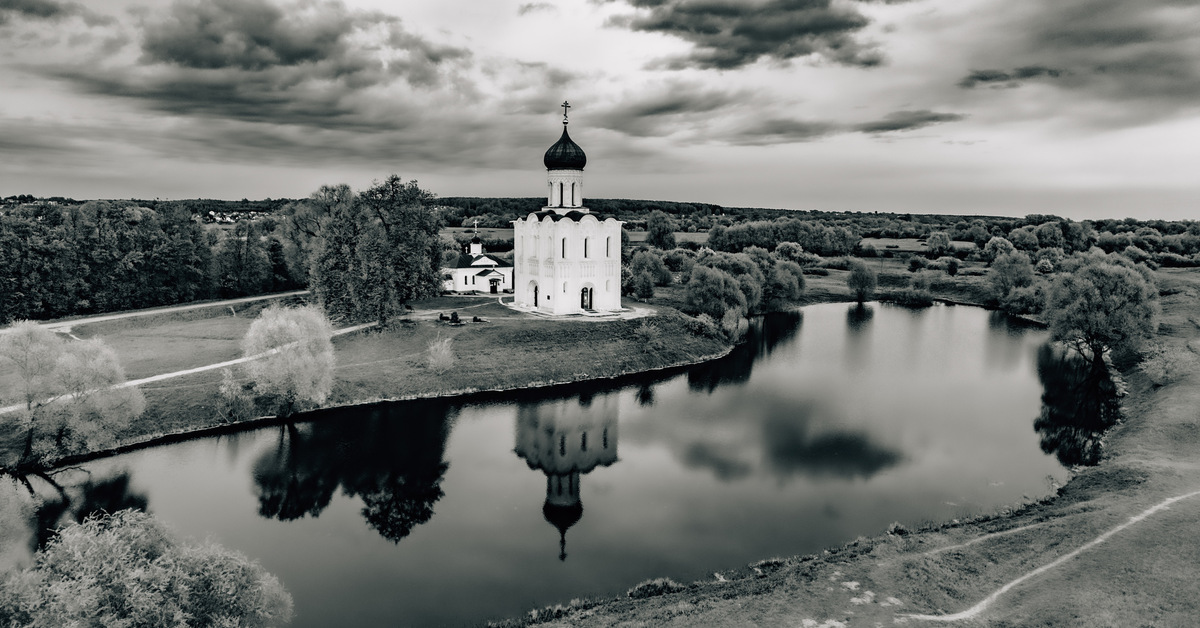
[661, 231]
[379, 252]
[1104, 304]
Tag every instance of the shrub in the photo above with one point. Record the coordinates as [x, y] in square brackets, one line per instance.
[1163, 363]
[820, 272]
[713, 291]
[838, 263]
[127, 569]
[951, 265]
[648, 337]
[938, 244]
[916, 263]
[651, 263]
[702, 325]
[1044, 267]
[996, 247]
[234, 401]
[643, 285]
[679, 260]
[653, 588]
[734, 325]
[1029, 299]
[441, 355]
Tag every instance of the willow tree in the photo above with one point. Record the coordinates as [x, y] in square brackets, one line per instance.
[1103, 304]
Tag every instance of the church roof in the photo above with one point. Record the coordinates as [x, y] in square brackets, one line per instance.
[467, 261]
[555, 216]
[565, 154]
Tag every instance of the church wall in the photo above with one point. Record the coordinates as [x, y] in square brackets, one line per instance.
[560, 193]
[539, 256]
[565, 436]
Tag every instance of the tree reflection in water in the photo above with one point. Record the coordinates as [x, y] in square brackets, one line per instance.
[63, 502]
[390, 457]
[1079, 402]
[766, 332]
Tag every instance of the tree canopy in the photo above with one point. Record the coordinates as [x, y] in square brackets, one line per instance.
[1103, 304]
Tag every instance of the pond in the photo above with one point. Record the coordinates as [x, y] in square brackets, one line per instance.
[830, 423]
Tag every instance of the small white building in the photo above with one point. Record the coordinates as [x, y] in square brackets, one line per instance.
[476, 271]
[566, 260]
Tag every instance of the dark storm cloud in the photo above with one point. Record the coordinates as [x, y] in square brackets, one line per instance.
[665, 110]
[1011, 78]
[1107, 50]
[33, 9]
[783, 131]
[728, 34]
[908, 121]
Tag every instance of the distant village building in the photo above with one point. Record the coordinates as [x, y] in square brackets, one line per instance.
[567, 261]
[476, 271]
[566, 439]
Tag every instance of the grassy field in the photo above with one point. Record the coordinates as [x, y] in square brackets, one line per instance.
[510, 350]
[1062, 571]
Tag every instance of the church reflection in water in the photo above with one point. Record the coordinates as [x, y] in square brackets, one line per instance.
[566, 439]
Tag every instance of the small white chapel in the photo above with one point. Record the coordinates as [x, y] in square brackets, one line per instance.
[566, 260]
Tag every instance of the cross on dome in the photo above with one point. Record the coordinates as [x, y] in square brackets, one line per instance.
[566, 105]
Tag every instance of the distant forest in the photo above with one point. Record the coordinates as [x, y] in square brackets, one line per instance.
[62, 257]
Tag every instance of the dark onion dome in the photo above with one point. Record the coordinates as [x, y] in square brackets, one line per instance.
[565, 154]
[476, 240]
[562, 517]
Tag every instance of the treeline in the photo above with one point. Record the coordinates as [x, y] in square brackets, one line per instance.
[101, 256]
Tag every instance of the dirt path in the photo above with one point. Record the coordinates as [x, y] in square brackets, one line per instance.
[66, 325]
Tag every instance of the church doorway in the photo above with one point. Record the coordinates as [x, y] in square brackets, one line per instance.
[495, 283]
[534, 288]
[585, 298]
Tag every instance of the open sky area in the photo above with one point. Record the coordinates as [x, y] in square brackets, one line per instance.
[1081, 108]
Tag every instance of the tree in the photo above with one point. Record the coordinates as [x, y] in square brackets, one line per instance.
[243, 266]
[379, 252]
[127, 569]
[938, 244]
[73, 393]
[996, 247]
[300, 368]
[861, 281]
[651, 263]
[1102, 305]
[661, 231]
[1011, 270]
[713, 291]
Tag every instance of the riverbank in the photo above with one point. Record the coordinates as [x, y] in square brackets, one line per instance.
[1116, 546]
[506, 350]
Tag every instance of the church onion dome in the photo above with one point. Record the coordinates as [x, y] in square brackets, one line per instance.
[565, 154]
[476, 240]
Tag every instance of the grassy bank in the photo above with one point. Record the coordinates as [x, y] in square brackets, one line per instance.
[1051, 554]
[510, 350]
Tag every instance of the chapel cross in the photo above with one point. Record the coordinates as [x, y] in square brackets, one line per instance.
[566, 105]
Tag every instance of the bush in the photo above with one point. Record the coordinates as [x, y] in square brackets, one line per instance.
[648, 337]
[713, 291]
[1163, 364]
[951, 265]
[234, 402]
[1044, 267]
[440, 355]
[996, 247]
[838, 263]
[643, 285]
[868, 250]
[654, 588]
[679, 260]
[651, 263]
[127, 569]
[734, 325]
[917, 263]
[1011, 270]
[1029, 299]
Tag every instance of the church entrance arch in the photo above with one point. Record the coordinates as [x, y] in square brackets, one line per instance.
[586, 297]
[533, 288]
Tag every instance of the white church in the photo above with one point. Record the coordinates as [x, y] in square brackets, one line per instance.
[566, 260]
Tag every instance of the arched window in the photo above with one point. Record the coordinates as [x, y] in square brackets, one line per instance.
[564, 248]
[608, 246]
[605, 438]
[560, 194]
[564, 286]
[562, 445]
[583, 442]
[572, 194]
[585, 247]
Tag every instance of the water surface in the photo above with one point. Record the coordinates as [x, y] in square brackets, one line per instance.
[829, 424]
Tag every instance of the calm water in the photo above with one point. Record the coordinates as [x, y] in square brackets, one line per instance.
[829, 424]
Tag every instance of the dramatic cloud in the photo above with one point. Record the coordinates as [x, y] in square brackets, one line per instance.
[1106, 50]
[783, 131]
[43, 9]
[908, 121]
[729, 34]
[673, 107]
[1001, 78]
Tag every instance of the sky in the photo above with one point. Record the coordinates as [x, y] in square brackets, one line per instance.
[1080, 108]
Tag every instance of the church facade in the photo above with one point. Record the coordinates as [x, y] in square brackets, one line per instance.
[566, 260]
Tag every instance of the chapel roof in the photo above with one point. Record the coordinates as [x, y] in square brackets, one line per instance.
[565, 154]
[467, 261]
